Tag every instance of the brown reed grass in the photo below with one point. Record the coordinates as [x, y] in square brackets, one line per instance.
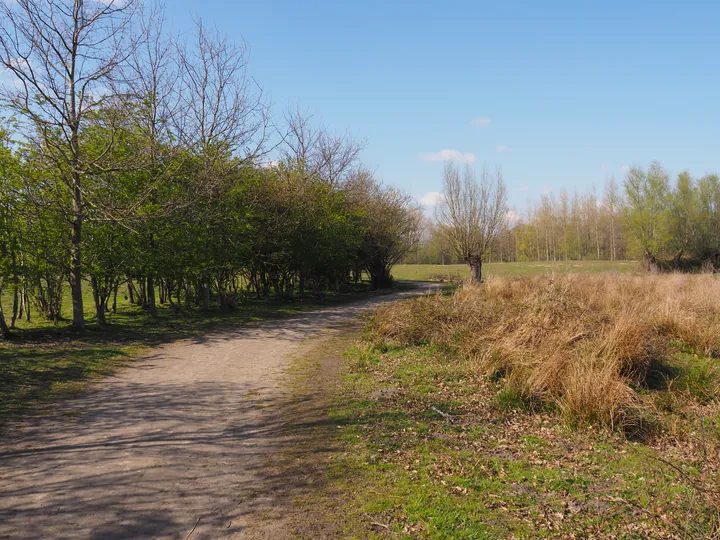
[584, 343]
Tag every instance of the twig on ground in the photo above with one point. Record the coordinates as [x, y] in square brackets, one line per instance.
[378, 524]
[449, 417]
[193, 529]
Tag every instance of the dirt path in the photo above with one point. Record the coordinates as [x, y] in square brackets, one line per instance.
[171, 447]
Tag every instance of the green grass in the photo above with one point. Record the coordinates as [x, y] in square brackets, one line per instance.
[495, 471]
[433, 272]
[44, 362]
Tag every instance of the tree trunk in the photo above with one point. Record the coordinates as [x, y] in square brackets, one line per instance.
[381, 278]
[152, 308]
[475, 271]
[676, 259]
[115, 292]
[16, 304]
[26, 300]
[4, 330]
[99, 303]
[206, 295]
[650, 262]
[100, 312]
[78, 320]
[131, 291]
[22, 304]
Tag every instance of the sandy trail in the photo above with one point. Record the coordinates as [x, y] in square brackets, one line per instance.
[173, 442]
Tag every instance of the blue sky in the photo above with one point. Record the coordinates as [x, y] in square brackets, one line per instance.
[567, 92]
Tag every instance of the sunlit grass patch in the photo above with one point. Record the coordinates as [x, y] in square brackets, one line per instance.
[459, 272]
[488, 471]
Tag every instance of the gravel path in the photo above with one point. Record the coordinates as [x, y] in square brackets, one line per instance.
[171, 447]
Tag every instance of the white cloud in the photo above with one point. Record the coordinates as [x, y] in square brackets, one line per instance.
[512, 217]
[524, 189]
[272, 164]
[431, 199]
[502, 148]
[448, 155]
[481, 121]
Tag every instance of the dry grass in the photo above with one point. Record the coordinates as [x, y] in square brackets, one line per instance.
[582, 343]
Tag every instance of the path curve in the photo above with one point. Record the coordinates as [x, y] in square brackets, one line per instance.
[169, 447]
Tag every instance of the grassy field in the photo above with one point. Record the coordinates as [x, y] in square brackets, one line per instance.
[438, 439]
[44, 362]
[456, 272]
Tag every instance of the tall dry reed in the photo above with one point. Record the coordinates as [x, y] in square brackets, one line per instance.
[582, 342]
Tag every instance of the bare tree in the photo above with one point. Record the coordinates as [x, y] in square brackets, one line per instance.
[64, 55]
[472, 214]
[317, 152]
[223, 113]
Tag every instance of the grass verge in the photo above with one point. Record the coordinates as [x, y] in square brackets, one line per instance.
[427, 448]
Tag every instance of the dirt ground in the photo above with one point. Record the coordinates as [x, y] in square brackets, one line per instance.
[185, 443]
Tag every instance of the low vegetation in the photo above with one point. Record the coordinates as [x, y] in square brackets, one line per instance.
[569, 406]
[584, 344]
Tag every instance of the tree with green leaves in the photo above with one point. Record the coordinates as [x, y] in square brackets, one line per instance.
[64, 56]
[10, 195]
[647, 194]
[683, 217]
[390, 224]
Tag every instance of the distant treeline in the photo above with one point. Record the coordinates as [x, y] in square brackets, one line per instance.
[130, 158]
[647, 217]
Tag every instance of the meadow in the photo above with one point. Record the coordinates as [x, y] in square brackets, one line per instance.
[459, 272]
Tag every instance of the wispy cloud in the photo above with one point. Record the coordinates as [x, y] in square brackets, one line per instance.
[481, 121]
[502, 148]
[448, 155]
[431, 199]
[524, 189]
